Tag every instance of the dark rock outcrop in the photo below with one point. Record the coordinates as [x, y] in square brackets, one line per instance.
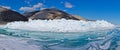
[7, 15]
[53, 14]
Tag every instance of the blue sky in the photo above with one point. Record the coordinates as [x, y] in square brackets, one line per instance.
[92, 9]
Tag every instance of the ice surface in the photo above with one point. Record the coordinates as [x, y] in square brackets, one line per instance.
[10, 43]
[60, 25]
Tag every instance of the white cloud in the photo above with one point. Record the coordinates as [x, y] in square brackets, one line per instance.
[68, 5]
[39, 5]
[33, 8]
[7, 7]
[28, 9]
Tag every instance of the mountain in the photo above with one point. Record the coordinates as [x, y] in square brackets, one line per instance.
[54, 13]
[7, 15]
[28, 14]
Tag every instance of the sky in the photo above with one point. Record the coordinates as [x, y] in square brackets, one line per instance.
[108, 10]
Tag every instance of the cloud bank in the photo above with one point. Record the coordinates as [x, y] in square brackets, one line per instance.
[39, 6]
[33, 8]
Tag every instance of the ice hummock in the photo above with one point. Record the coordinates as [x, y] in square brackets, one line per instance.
[60, 25]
